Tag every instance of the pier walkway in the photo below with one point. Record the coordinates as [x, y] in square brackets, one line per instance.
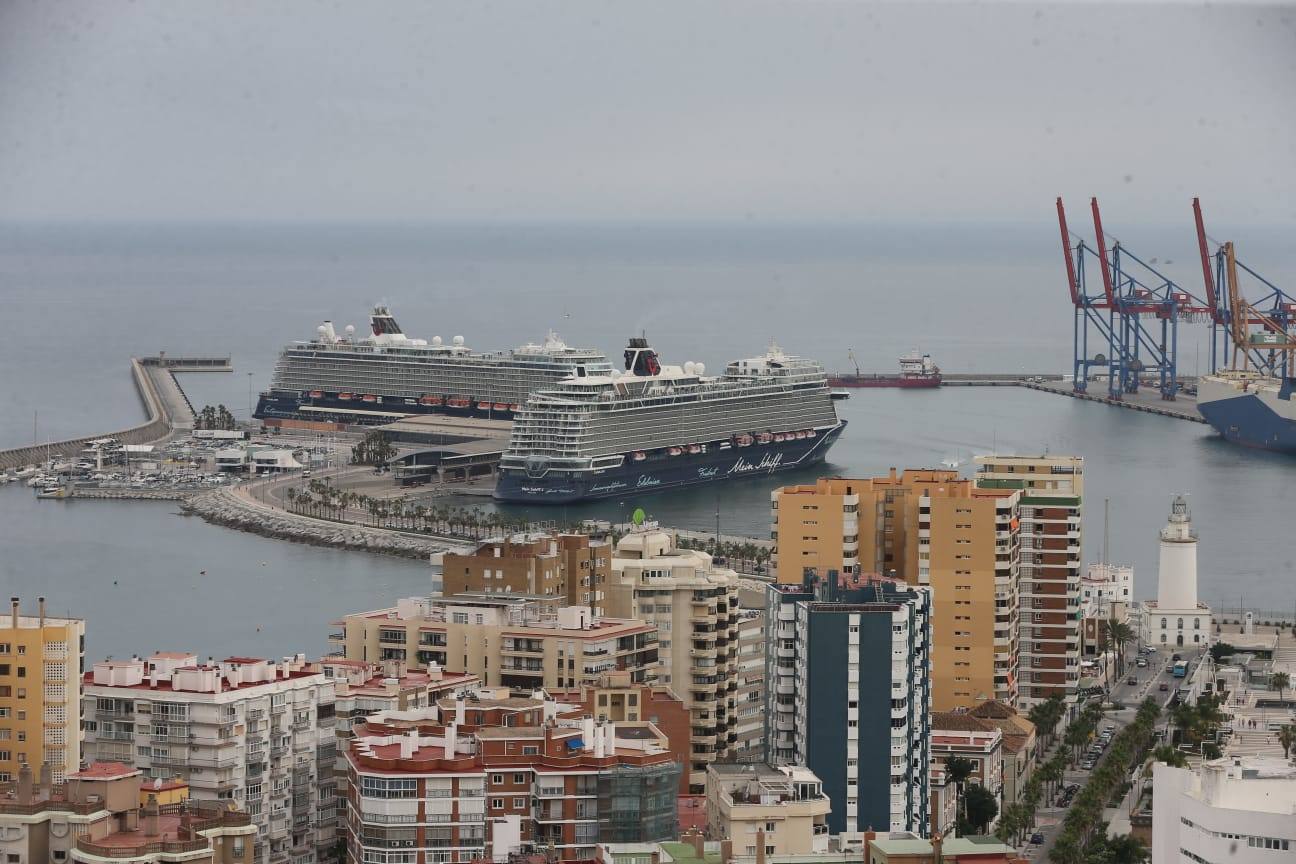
[166, 409]
[1147, 400]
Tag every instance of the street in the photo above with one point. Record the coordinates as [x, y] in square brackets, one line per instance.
[1131, 696]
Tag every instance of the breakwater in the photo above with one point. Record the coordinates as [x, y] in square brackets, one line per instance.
[232, 508]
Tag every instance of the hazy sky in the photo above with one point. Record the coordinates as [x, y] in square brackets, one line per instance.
[160, 109]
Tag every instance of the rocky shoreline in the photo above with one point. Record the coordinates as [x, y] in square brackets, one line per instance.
[226, 508]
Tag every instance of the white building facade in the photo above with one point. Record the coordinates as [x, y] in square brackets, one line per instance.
[1176, 618]
[1230, 811]
[255, 732]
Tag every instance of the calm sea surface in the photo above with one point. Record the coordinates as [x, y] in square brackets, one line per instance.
[76, 303]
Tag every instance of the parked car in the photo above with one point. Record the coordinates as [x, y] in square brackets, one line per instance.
[1087, 765]
[1176, 658]
[1132, 680]
[1164, 687]
[1037, 839]
[1141, 663]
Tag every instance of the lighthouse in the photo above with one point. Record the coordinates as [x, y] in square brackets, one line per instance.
[1176, 618]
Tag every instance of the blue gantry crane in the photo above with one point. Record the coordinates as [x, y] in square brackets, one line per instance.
[1129, 327]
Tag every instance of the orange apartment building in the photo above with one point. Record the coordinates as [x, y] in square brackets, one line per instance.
[930, 528]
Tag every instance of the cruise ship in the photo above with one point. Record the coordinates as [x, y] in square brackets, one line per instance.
[1250, 409]
[339, 378]
[654, 427]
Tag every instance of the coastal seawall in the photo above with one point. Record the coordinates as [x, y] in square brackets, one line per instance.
[232, 508]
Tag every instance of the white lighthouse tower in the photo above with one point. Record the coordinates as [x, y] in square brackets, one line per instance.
[1176, 618]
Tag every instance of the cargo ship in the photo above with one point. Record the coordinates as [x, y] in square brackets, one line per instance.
[916, 370]
[342, 378]
[652, 427]
[1250, 409]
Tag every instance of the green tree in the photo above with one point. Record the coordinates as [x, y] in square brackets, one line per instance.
[1280, 681]
[373, 449]
[957, 770]
[979, 809]
[1287, 738]
[1170, 756]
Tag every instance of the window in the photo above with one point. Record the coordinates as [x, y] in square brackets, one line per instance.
[519, 803]
[1163, 623]
[519, 779]
[497, 779]
[1180, 624]
[497, 804]
[22, 671]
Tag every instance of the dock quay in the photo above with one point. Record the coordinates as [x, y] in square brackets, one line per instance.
[166, 409]
[1149, 401]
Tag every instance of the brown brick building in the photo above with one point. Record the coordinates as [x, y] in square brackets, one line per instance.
[567, 566]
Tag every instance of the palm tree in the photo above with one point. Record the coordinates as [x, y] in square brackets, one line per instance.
[1280, 681]
[1124, 634]
[1287, 738]
[958, 769]
[1125, 849]
[1170, 756]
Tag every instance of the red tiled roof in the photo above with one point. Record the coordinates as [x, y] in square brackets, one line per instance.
[105, 771]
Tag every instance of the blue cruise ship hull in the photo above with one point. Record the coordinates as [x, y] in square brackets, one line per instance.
[1251, 421]
[661, 472]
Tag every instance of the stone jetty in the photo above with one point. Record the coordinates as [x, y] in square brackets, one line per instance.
[232, 508]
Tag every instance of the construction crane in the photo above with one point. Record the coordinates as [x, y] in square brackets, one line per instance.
[1260, 333]
[1137, 314]
[850, 352]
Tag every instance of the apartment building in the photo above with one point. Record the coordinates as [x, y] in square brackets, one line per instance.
[1237, 809]
[1052, 495]
[959, 734]
[927, 528]
[823, 685]
[568, 566]
[615, 698]
[95, 815]
[1019, 745]
[786, 804]
[851, 525]
[968, 554]
[430, 789]
[254, 732]
[693, 604]
[40, 692]
[522, 640]
[750, 709]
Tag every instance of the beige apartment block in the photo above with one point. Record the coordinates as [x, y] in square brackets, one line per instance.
[786, 805]
[519, 640]
[40, 692]
[693, 605]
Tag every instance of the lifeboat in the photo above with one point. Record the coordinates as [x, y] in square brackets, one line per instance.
[458, 402]
[778, 436]
[344, 397]
[695, 448]
[764, 438]
[675, 451]
[515, 407]
[743, 440]
[483, 406]
[501, 406]
[316, 394]
[800, 435]
[639, 456]
[810, 433]
[429, 399]
[369, 397]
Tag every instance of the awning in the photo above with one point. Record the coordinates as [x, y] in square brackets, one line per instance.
[575, 744]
